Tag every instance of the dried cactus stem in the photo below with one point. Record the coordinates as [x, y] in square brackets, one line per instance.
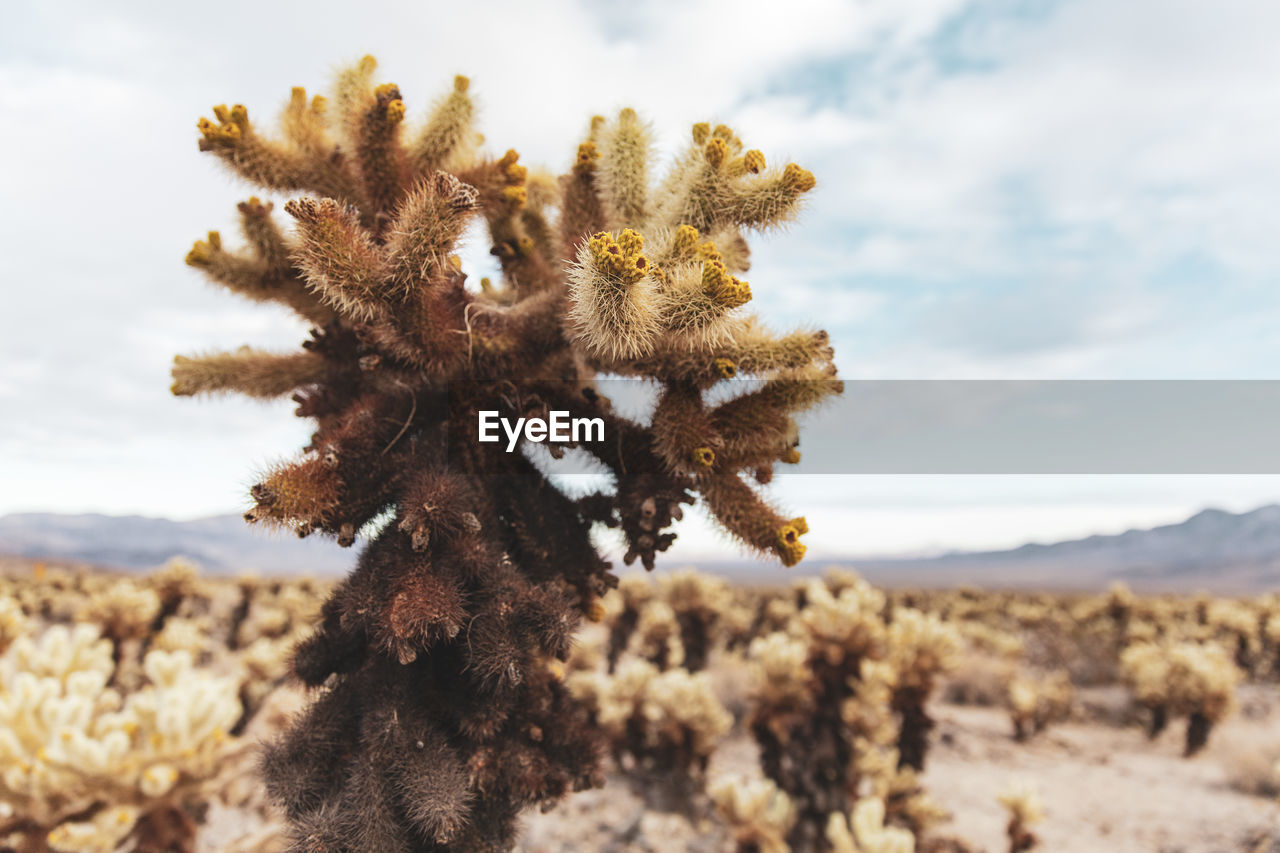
[164, 828]
[1021, 838]
[1157, 720]
[33, 837]
[1198, 728]
[913, 733]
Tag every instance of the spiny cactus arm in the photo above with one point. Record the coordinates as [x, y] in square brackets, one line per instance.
[647, 498]
[380, 158]
[714, 185]
[744, 514]
[339, 258]
[758, 427]
[257, 374]
[683, 433]
[266, 238]
[347, 476]
[448, 139]
[622, 174]
[767, 199]
[302, 496]
[305, 125]
[582, 212]
[430, 221]
[279, 165]
[367, 124]
[750, 350]
[256, 278]
[515, 207]
[756, 351]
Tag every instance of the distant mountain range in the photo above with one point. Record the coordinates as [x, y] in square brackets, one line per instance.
[221, 543]
[1213, 549]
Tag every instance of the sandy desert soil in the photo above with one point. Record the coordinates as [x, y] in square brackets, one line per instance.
[1105, 787]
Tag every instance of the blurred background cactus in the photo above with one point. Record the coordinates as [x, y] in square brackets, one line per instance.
[152, 745]
[112, 739]
[438, 718]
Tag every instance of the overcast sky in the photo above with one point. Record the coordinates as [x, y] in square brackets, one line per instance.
[1006, 190]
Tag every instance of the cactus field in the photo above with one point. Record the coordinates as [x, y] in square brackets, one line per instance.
[823, 714]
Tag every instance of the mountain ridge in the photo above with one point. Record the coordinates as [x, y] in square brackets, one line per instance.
[1213, 549]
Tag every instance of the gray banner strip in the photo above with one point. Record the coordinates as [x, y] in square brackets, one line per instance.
[1046, 427]
[998, 427]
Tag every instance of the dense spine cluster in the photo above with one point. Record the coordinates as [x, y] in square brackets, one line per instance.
[438, 715]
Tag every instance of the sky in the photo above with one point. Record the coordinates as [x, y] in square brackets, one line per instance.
[1031, 190]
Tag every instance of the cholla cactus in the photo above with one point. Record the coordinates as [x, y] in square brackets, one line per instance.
[1035, 703]
[920, 649]
[658, 636]
[1025, 809]
[13, 621]
[759, 814]
[1241, 626]
[125, 612]
[982, 637]
[864, 831]
[840, 698]
[1184, 679]
[634, 592]
[442, 720]
[662, 726]
[69, 744]
[104, 832]
[181, 633]
[699, 603]
[805, 680]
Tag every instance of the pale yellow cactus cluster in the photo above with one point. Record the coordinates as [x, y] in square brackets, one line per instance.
[125, 610]
[848, 625]
[121, 694]
[875, 716]
[920, 648]
[981, 637]
[188, 634]
[863, 830]
[1183, 679]
[758, 813]
[663, 282]
[689, 591]
[670, 719]
[679, 621]
[52, 594]
[105, 832]
[13, 621]
[658, 635]
[68, 740]
[1024, 807]
[275, 610]
[1035, 703]
[780, 666]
